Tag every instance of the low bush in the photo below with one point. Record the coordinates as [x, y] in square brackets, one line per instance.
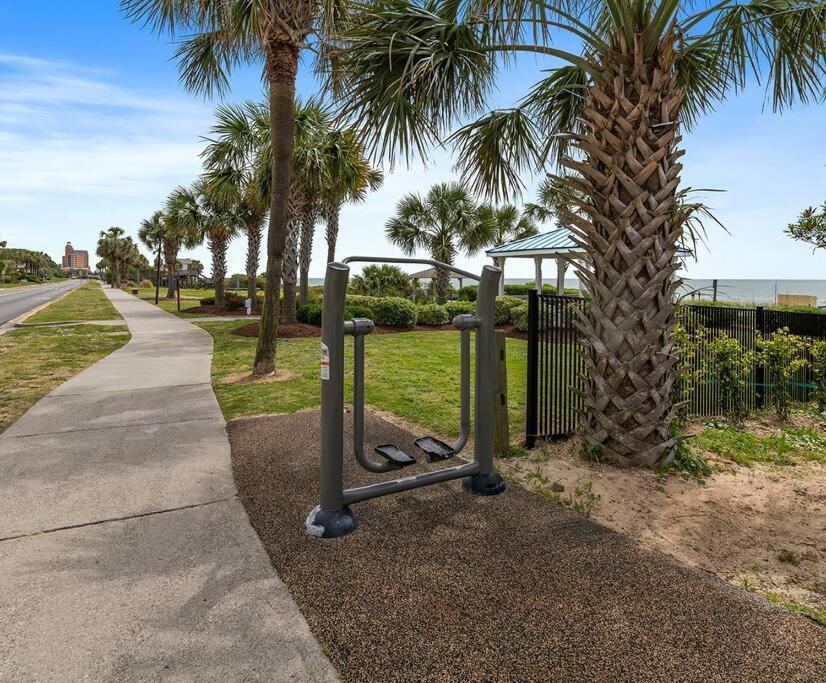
[394, 312]
[505, 306]
[455, 308]
[310, 314]
[468, 293]
[519, 315]
[207, 301]
[360, 300]
[432, 314]
[146, 284]
[818, 365]
[355, 311]
[233, 301]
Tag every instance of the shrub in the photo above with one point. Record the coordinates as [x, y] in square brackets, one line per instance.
[730, 364]
[394, 312]
[504, 308]
[688, 373]
[519, 315]
[468, 293]
[146, 284]
[455, 308]
[432, 314]
[207, 301]
[310, 314]
[818, 353]
[354, 311]
[360, 300]
[782, 356]
[233, 301]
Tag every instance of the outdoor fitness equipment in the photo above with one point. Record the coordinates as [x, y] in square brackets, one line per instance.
[333, 517]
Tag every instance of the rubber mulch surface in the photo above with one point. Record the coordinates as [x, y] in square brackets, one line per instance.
[439, 585]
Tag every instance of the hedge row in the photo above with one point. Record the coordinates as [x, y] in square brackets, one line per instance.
[468, 293]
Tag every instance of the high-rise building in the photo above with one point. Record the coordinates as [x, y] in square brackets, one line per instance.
[75, 259]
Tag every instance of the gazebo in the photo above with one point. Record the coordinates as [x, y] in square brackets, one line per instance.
[558, 245]
[430, 274]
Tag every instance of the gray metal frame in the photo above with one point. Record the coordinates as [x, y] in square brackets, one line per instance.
[333, 517]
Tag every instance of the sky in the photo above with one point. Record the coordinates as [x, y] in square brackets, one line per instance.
[95, 130]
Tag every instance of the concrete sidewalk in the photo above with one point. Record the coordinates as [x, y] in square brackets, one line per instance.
[124, 553]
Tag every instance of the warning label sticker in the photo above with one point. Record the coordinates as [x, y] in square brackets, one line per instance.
[325, 362]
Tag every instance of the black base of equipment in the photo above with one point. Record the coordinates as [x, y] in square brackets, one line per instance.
[394, 454]
[435, 449]
[331, 523]
[484, 484]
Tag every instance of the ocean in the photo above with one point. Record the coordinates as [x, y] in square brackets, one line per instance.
[742, 291]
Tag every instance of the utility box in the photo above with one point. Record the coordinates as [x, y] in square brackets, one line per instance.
[248, 306]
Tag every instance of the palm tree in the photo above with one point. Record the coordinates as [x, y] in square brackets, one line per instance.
[350, 178]
[444, 222]
[172, 236]
[195, 209]
[612, 114]
[236, 161]
[221, 34]
[114, 249]
[507, 223]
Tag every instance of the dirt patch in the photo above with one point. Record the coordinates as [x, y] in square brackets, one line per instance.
[763, 527]
[248, 378]
[440, 585]
[214, 310]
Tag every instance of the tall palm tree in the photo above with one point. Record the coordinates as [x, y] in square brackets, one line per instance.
[172, 236]
[236, 159]
[195, 209]
[310, 176]
[350, 178]
[612, 113]
[221, 34]
[445, 222]
[113, 247]
[508, 223]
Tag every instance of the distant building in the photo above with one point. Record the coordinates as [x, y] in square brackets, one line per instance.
[75, 259]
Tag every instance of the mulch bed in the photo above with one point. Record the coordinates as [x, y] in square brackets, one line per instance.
[439, 585]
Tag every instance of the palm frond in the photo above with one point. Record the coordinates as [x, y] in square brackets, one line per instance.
[495, 150]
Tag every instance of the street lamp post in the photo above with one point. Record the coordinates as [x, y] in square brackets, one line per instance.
[158, 272]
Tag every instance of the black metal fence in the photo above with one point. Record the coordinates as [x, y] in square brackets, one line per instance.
[556, 368]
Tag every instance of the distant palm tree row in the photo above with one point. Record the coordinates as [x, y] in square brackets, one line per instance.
[230, 197]
[118, 252]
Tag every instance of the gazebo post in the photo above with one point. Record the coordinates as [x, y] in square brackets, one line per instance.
[537, 279]
[500, 263]
[561, 266]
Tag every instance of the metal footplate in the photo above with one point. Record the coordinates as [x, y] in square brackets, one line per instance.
[394, 454]
[435, 449]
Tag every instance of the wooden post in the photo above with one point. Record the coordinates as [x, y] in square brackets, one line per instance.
[178, 289]
[501, 430]
[714, 290]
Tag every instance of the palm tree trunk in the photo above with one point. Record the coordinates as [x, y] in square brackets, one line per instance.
[218, 248]
[170, 254]
[288, 310]
[253, 250]
[630, 176]
[308, 221]
[280, 68]
[332, 222]
[441, 283]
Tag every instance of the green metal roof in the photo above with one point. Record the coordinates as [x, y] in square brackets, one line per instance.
[559, 241]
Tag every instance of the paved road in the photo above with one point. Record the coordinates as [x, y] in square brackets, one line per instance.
[18, 300]
[124, 551]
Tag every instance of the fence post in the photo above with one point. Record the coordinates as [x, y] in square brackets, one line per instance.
[531, 403]
[760, 371]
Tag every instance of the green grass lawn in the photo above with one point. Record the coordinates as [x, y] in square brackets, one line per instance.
[414, 375]
[39, 359]
[85, 303]
[9, 285]
[789, 447]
